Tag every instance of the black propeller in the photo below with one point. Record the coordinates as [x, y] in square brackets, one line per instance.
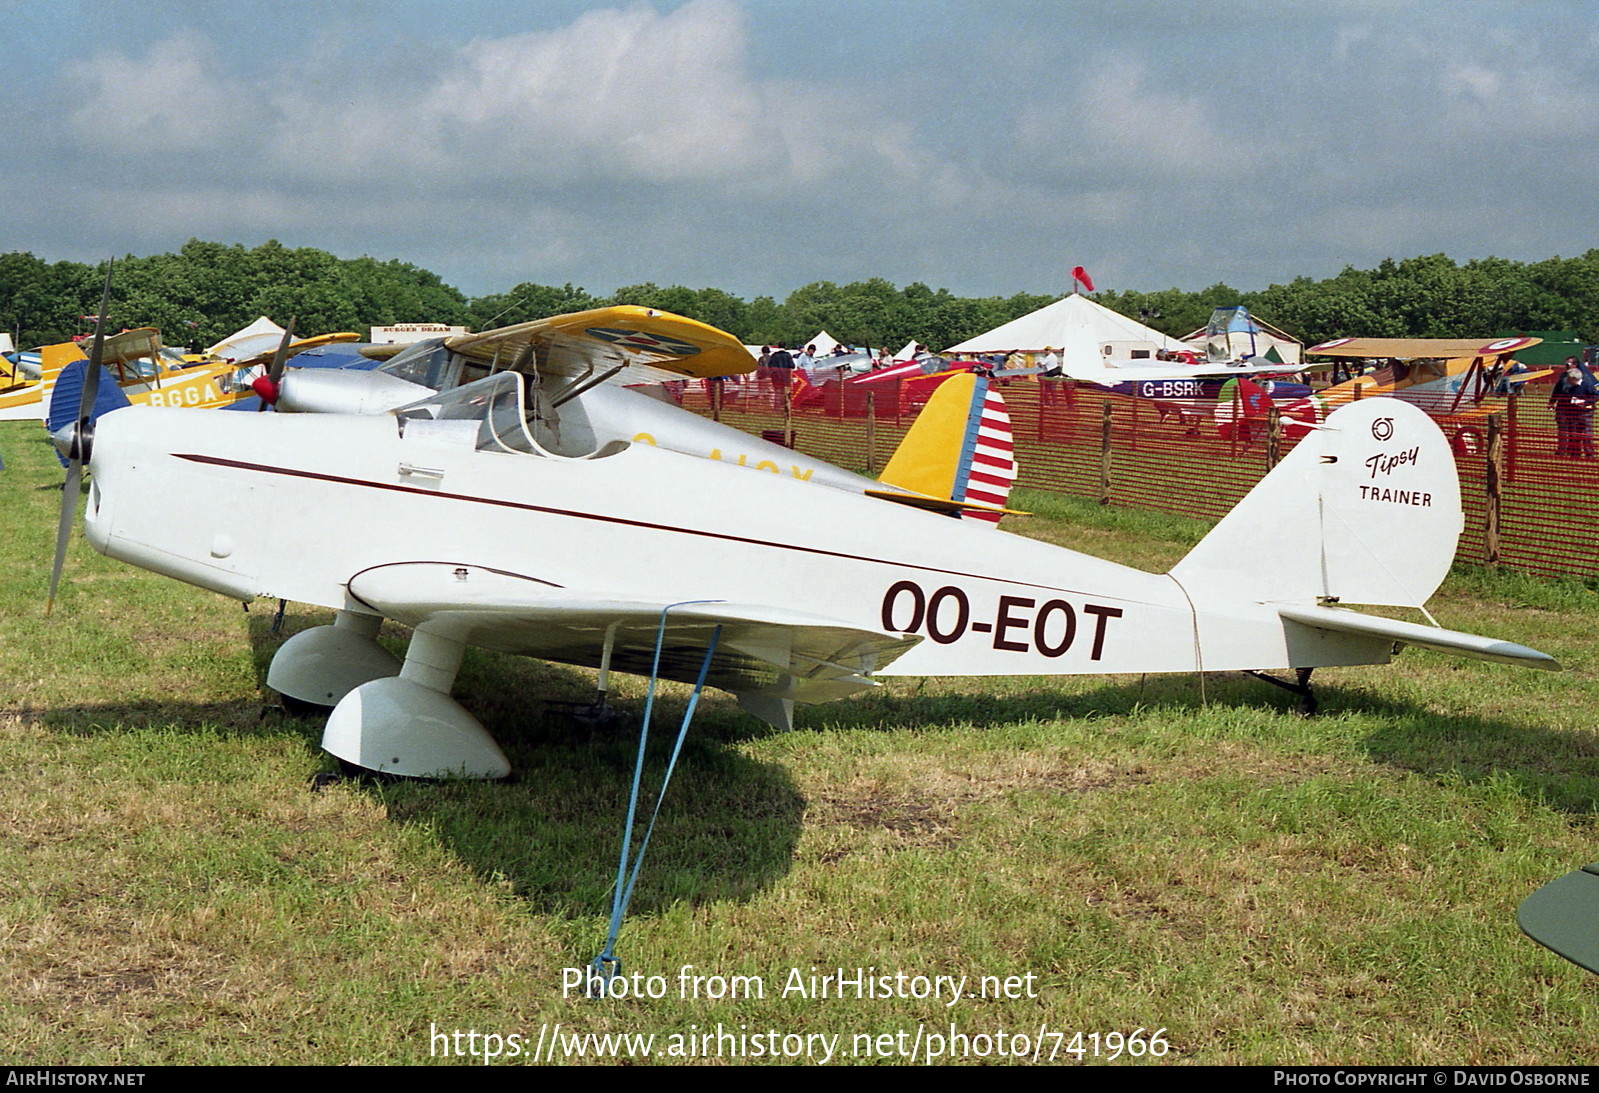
[77, 442]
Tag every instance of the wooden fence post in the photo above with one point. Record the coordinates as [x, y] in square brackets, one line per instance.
[1492, 481]
[871, 433]
[788, 416]
[1104, 453]
[716, 398]
[1512, 437]
[1274, 436]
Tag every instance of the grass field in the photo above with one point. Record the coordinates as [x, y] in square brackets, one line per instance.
[1159, 854]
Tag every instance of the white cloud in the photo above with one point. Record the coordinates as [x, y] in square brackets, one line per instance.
[659, 98]
[1119, 117]
[1474, 80]
[651, 95]
[173, 100]
[652, 140]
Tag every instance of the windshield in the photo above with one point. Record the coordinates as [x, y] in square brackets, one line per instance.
[498, 403]
[1230, 335]
[426, 362]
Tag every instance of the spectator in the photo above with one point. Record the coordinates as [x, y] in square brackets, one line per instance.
[779, 369]
[1573, 399]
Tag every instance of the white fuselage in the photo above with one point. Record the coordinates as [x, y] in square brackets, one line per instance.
[295, 506]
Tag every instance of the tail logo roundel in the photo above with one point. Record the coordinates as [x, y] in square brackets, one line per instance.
[1382, 428]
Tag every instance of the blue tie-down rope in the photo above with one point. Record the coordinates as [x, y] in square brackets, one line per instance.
[605, 966]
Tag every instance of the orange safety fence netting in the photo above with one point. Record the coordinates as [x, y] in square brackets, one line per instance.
[1171, 456]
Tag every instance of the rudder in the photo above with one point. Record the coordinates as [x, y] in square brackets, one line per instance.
[959, 448]
[1364, 510]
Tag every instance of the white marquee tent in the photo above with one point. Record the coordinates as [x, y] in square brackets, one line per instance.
[1077, 326]
[824, 342]
[261, 336]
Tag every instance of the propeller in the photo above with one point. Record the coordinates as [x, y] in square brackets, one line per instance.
[269, 386]
[77, 439]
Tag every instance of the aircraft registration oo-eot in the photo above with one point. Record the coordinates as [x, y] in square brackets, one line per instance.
[505, 490]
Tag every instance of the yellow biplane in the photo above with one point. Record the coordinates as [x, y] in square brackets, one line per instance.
[151, 374]
[1457, 380]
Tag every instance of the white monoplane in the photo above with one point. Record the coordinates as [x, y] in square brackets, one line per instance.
[491, 490]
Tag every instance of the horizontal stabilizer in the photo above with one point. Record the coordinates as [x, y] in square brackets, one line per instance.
[941, 504]
[1426, 637]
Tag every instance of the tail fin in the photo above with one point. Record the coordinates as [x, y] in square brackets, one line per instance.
[1364, 510]
[959, 449]
[53, 358]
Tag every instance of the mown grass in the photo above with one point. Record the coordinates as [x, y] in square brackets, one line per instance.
[1160, 853]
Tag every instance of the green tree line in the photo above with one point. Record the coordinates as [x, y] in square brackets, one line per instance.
[206, 291]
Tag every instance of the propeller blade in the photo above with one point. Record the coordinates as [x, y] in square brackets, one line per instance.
[91, 382]
[73, 486]
[274, 374]
[69, 509]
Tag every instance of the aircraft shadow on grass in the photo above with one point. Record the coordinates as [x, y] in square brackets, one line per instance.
[1558, 770]
[730, 824]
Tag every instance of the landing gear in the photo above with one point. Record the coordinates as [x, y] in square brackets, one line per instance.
[598, 714]
[1307, 697]
[317, 667]
[409, 725]
[384, 717]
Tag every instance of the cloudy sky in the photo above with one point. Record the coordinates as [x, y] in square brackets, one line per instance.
[756, 145]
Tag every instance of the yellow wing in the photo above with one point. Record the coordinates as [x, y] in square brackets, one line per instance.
[609, 336]
[131, 345]
[1412, 348]
[298, 346]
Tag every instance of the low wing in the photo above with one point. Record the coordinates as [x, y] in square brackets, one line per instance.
[771, 652]
[1133, 373]
[609, 337]
[1412, 348]
[908, 371]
